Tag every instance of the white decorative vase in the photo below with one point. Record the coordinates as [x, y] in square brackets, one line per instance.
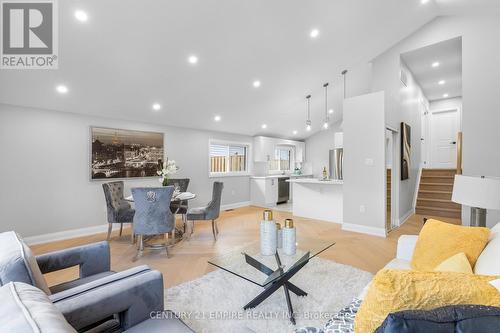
[289, 238]
[268, 241]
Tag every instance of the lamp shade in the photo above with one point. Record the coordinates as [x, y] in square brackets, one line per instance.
[477, 192]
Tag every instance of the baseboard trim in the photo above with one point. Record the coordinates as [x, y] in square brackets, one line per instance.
[67, 234]
[75, 233]
[235, 205]
[380, 232]
[402, 220]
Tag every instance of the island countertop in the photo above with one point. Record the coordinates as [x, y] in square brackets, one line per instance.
[316, 181]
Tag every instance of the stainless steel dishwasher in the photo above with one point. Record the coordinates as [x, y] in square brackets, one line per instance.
[283, 190]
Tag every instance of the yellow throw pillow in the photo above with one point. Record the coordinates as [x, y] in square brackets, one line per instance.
[396, 290]
[457, 263]
[439, 240]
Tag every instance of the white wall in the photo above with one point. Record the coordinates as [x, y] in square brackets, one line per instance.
[403, 104]
[481, 79]
[318, 147]
[44, 169]
[364, 164]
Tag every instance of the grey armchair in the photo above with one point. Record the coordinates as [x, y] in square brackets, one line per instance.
[119, 210]
[210, 212]
[153, 215]
[125, 306]
[18, 264]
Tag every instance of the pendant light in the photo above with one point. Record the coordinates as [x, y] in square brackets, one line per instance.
[344, 74]
[308, 120]
[327, 118]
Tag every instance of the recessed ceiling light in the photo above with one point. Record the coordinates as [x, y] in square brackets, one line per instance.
[423, 2]
[325, 125]
[445, 95]
[314, 33]
[295, 132]
[217, 118]
[156, 107]
[193, 59]
[441, 82]
[62, 89]
[81, 16]
[330, 111]
[256, 83]
[264, 126]
[435, 64]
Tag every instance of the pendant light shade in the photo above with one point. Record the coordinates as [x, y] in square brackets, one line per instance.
[308, 119]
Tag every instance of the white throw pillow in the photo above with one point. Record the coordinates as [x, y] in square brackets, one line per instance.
[488, 263]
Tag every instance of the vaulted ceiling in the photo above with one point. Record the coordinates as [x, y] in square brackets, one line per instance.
[129, 55]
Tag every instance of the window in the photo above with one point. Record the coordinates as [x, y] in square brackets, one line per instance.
[228, 158]
[282, 159]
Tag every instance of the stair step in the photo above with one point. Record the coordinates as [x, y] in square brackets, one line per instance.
[440, 209]
[430, 194]
[439, 172]
[437, 179]
[436, 186]
[441, 212]
[438, 203]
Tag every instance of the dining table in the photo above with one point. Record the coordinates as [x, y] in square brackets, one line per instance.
[177, 197]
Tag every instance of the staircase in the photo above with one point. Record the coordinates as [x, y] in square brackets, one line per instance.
[434, 194]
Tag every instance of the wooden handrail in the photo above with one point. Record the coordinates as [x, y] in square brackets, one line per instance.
[459, 153]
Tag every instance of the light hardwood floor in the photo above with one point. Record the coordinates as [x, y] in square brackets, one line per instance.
[239, 227]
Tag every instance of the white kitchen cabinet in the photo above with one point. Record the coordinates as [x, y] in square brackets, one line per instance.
[263, 148]
[300, 152]
[264, 191]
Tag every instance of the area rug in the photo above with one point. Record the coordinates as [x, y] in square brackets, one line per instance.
[214, 302]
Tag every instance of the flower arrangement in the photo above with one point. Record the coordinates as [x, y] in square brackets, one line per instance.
[169, 168]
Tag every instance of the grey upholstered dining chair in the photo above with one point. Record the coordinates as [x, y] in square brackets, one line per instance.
[119, 210]
[152, 215]
[179, 207]
[210, 211]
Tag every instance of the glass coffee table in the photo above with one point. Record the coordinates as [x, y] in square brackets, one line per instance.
[271, 272]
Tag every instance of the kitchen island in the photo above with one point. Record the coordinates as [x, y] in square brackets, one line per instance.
[317, 199]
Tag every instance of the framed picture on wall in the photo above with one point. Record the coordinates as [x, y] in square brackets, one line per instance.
[119, 153]
[405, 151]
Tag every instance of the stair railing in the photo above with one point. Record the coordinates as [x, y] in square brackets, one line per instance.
[459, 153]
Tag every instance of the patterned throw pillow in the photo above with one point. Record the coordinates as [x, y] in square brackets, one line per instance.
[342, 322]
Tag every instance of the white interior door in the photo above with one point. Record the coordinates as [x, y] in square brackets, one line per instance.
[444, 131]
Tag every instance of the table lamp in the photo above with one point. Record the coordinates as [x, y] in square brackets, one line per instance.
[480, 193]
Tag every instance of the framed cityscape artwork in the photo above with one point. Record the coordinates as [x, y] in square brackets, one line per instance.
[119, 153]
[405, 151]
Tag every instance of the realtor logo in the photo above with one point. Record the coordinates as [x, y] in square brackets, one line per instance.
[29, 35]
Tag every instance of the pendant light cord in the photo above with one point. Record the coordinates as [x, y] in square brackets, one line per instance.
[308, 109]
[326, 101]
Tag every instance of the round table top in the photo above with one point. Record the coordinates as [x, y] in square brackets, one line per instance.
[176, 197]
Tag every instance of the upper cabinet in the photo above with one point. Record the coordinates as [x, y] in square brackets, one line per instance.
[263, 148]
[300, 152]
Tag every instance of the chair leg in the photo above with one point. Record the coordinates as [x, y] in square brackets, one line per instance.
[132, 235]
[216, 227]
[110, 228]
[166, 242]
[121, 229]
[213, 230]
[140, 247]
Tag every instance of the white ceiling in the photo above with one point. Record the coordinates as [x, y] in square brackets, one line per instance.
[131, 54]
[449, 55]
